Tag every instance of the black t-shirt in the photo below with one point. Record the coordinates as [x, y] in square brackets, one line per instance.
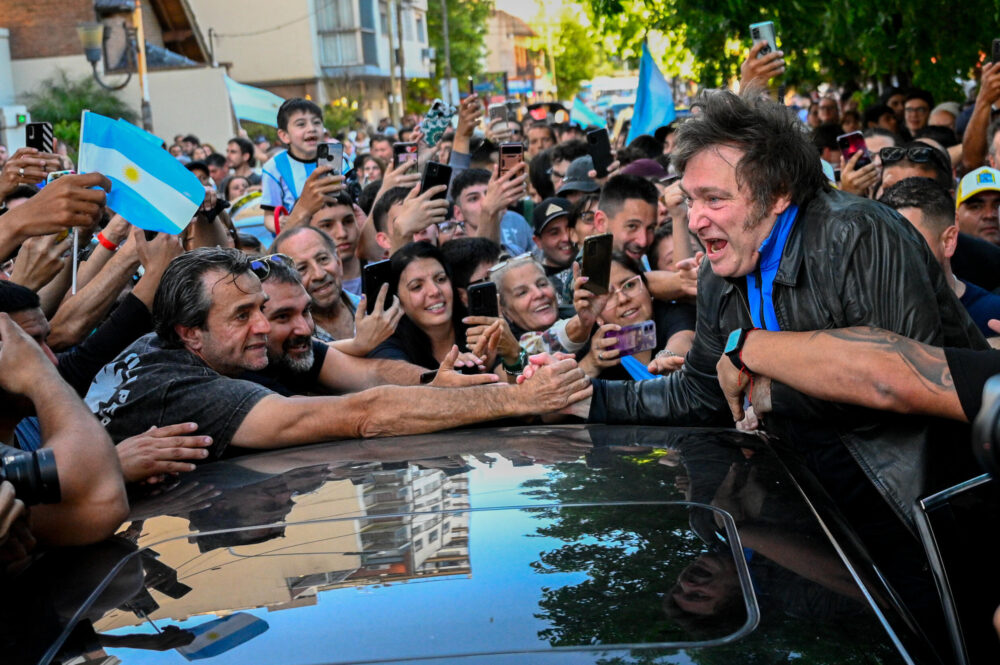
[148, 385]
[970, 370]
[288, 383]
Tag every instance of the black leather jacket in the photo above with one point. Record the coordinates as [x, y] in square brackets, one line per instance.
[847, 262]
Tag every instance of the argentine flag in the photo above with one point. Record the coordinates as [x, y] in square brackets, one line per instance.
[149, 187]
[583, 115]
[654, 100]
[254, 104]
[220, 635]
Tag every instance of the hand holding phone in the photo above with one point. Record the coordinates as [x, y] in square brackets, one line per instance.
[435, 174]
[511, 154]
[332, 154]
[39, 135]
[404, 152]
[852, 143]
[633, 338]
[764, 32]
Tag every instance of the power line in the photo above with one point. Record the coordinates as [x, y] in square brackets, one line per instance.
[277, 27]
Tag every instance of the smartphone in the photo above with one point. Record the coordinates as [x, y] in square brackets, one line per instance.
[373, 276]
[472, 86]
[599, 147]
[55, 175]
[597, 262]
[764, 32]
[404, 152]
[483, 299]
[39, 135]
[498, 112]
[332, 153]
[996, 50]
[511, 154]
[435, 174]
[634, 338]
[853, 143]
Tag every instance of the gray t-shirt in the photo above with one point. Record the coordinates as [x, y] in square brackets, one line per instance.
[150, 385]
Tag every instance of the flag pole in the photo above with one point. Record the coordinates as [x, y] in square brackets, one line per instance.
[76, 230]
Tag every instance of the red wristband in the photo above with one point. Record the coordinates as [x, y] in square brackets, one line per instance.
[105, 243]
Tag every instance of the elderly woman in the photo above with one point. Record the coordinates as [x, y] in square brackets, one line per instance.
[530, 322]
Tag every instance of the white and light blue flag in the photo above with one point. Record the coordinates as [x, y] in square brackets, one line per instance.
[654, 100]
[149, 187]
[583, 115]
[221, 635]
[254, 104]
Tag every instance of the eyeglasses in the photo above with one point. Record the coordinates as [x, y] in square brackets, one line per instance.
[261, 267]
[561, 176]
[916, 109]
[916, 155]
[630, 287]
[507, 262]
[450, 226]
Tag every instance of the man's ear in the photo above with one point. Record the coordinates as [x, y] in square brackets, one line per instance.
[382, 238]
[600, 221]
[949, 240]
[191, 337]
[537, 241]
[781, 204]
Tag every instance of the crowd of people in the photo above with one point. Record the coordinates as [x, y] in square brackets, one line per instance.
[788, 287]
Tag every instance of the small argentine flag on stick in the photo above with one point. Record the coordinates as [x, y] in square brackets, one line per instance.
[149, 187]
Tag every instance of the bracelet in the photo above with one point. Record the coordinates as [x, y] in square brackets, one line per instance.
[514, 370]
[105, 243]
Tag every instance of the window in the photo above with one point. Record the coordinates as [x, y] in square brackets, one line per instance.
[408, 25]
[432, 536]
[421, 30]
[383, 15]
[338, 33]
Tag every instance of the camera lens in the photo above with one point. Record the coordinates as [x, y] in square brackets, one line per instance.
[33, 474]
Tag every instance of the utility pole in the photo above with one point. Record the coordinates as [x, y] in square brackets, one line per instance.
[140, 49]
[402, 61]
[392, 60]
[447, 51]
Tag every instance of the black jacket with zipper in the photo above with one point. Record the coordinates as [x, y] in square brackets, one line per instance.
[847, 262]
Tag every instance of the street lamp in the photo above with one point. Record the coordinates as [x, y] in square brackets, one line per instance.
[92, 36]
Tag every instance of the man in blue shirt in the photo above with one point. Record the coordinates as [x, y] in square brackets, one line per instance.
[929, 207]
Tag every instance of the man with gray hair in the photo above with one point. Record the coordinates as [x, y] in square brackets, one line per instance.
[211, 331]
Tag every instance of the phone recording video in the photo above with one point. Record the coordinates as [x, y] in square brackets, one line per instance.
[511, 154]
[404, 152]
[436, 174]
[38, 135]
[483, 299]
[596, 264]
[373, 276]
[764, 32]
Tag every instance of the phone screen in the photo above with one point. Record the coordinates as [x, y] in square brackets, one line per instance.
[853, 143]
[404, 152]
[597, 262]
[333, 154]
[511, 154]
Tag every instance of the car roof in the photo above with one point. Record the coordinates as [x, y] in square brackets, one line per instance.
[530, 544]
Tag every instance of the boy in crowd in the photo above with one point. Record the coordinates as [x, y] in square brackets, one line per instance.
[294, 188]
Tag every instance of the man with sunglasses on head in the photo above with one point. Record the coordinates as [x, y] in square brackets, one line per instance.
[915, 159]
[211, 330]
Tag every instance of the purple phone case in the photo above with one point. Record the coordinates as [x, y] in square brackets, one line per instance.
[634, 338]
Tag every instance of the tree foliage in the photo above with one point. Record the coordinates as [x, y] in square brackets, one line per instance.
[467, 24]
[577, 55]
[61, 101]
[921, 43]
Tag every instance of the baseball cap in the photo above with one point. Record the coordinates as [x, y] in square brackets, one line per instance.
[983, 179]
[549, 210]
[577, 179]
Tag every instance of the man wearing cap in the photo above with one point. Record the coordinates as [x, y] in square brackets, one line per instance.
[553, 247]
[978, 199]
[577, 181]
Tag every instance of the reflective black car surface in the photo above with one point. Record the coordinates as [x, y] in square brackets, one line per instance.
[565, 544]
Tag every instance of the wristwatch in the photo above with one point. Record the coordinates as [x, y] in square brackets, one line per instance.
[735, 344]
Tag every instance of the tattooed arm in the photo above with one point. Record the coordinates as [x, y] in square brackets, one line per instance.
[862, 366]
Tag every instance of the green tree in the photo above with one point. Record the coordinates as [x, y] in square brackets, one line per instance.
[61, 101]
[576, 54]
[854, 44]
[467, 23]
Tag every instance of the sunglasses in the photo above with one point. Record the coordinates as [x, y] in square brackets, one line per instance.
[917, 155]
[261, 267]
[506, 262]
